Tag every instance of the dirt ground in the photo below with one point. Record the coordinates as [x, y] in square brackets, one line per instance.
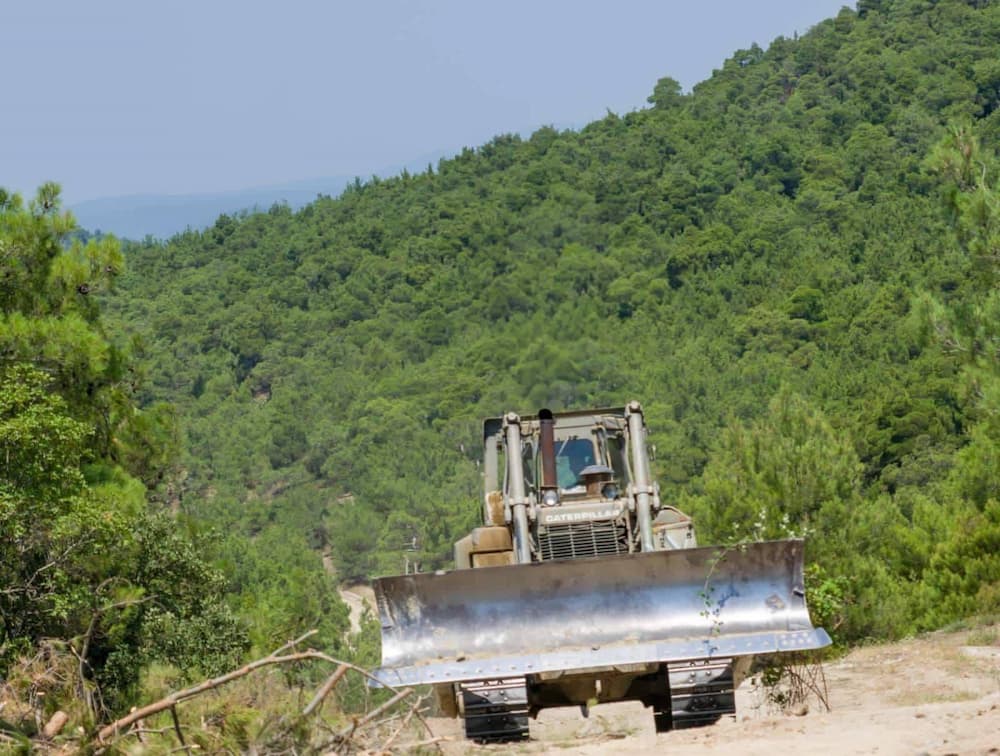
[935, 695]
[358, 599]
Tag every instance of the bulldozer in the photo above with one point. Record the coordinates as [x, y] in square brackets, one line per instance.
[582, 587]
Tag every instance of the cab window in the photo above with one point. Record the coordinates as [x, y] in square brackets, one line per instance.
[572, 456]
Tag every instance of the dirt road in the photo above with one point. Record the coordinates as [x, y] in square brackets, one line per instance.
[358, 598]
[938, 695]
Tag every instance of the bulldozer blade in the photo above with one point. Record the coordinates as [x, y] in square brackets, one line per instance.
[600, 612]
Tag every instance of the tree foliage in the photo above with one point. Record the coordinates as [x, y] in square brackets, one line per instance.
[83, 557]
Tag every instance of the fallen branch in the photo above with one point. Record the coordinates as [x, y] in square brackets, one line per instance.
[177, 727]
[324, 691]
[293, 643]
[278, 656]
[347, 733]
[358, 724]
[139, 731]
[173, 699]
[54, 726]
[430, 741]
[387, 745]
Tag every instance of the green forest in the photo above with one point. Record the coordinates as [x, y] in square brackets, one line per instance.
[794, 267]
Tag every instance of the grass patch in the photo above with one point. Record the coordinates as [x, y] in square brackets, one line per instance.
[971, 623]
[984, 636]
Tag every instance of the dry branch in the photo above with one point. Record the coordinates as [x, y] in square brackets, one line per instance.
[430, 741]
[54, 726]
[177, 726]
[293, 643]
[387, 744]
[175, 698]
[277, 657]
[324, 691]
[375, 713]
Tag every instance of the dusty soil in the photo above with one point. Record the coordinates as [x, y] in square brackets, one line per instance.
[938, 694]
[358, 598]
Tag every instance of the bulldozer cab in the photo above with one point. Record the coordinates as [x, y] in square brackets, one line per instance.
[582, 440]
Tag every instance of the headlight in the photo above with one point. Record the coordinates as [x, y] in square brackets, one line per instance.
[550, 498]
[610, 491]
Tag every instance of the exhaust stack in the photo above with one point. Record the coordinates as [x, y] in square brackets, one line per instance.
[546, 425]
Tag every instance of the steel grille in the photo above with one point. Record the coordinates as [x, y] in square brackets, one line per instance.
[583, 539]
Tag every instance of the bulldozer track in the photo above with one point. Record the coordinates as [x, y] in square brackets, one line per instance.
[701, 693]
[495, 711]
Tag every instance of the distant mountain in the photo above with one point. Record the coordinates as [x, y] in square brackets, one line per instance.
[163, 215]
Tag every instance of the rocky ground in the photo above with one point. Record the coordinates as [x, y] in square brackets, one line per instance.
[938, 694]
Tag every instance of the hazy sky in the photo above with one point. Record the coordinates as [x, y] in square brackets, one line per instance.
[116, 97]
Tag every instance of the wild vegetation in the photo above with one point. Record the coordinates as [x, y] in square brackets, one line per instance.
[793, 266]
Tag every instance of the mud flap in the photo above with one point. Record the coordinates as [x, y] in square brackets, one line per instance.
[663, 606]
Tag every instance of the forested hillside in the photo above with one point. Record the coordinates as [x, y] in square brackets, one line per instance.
[792, 267]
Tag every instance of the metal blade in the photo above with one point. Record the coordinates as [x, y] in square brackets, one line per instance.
[591, 613]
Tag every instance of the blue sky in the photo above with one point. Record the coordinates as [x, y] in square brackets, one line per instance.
[119, 97]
